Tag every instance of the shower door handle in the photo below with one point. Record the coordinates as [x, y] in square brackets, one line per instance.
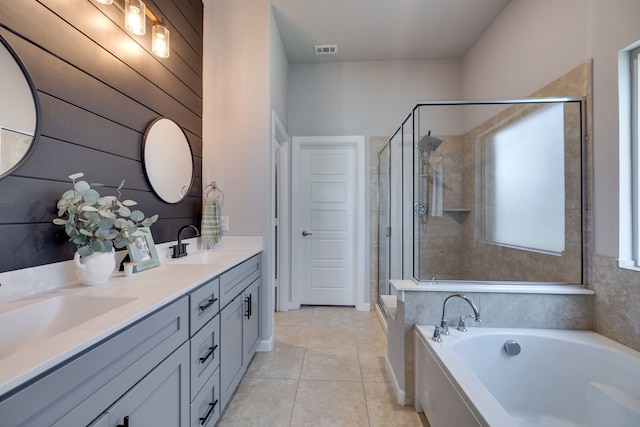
[306, 233]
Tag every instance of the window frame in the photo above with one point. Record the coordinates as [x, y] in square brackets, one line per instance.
[629, 158]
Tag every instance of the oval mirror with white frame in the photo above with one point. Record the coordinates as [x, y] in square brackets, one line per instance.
[18, 110]
[167, 159]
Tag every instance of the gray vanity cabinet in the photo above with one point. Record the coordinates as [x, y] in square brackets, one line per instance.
[79, 390]
[204, 328]
[239, 323]
[157, 400]
[177, 367]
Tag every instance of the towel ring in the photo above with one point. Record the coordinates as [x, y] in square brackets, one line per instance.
[214, 188]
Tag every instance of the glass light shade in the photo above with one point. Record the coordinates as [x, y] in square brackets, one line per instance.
[105, 1]
[134, 17]
[160, 41]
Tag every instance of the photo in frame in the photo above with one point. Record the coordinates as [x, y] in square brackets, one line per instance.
[143, 251]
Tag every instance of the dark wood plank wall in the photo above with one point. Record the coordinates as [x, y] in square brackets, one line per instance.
[98, 87]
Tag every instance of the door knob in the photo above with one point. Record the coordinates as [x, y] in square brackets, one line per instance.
[306, 233]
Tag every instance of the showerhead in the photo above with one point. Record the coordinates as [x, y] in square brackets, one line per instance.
[429, 143]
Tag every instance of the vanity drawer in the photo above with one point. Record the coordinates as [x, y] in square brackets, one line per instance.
[238, 278]
[204, 303]
[205, 408]
[205, 354]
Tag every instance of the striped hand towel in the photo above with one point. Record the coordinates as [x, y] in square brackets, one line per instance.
[210, 228]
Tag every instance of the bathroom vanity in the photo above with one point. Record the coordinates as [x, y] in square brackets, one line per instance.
[172, 354]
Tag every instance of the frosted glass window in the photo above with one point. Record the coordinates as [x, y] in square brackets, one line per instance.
[524, 198]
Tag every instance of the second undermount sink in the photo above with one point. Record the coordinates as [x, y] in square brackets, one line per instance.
[208, 257]
[48, 317]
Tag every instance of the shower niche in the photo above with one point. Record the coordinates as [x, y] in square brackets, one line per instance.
[479, 191]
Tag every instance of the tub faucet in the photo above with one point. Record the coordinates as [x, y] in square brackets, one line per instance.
[444, 323]
[180, 249]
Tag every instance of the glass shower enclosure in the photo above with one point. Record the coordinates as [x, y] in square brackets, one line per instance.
[483, 191]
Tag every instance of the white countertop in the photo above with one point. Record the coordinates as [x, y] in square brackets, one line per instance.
[149, 290]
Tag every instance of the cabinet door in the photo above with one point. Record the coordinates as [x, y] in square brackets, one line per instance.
[231, 362]
[251, 327]
[159, 399]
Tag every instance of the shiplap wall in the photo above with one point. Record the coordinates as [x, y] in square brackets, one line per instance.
[98, 87]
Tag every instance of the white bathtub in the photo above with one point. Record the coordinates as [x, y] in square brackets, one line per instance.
[560, 378]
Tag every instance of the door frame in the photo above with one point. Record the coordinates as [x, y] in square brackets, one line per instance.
[280, 259]
[356, 143]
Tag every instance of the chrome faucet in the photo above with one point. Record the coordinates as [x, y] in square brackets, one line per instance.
[444, 323]
[180, 249]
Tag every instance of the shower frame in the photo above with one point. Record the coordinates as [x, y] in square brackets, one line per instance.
[408, 236]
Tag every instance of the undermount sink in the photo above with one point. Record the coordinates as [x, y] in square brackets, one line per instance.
[43, 319]
[209, 257]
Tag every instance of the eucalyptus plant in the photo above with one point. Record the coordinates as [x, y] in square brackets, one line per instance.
[97, 223]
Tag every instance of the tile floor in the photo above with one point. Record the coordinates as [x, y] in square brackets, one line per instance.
[326, 369]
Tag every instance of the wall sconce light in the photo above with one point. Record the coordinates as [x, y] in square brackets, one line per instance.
[135, 14]
[160, 41]
[134, 17]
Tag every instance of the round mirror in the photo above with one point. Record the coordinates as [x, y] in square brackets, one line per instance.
[167, 159]
[18, 110]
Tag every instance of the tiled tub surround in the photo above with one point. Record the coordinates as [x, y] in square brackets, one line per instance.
[617, 301]
[147, 291]
[506, 306]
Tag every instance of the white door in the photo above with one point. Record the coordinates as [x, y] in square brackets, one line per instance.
[324, 222]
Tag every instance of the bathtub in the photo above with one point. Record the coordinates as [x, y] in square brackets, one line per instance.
[560, 378]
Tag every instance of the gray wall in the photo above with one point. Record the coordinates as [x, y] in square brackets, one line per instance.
[99, 87]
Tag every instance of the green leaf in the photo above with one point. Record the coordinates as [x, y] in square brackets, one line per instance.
[124, 211]
[129, 203]
[85, 251]
[106, 246]
[82, 186]
[101, 233]
[96, 246]
[120, 223]
[137, 216]
[121, 185]
[88, 208]
[75, 176]
[91, 196]
[85, 232]
[59, 221]
[105, 223]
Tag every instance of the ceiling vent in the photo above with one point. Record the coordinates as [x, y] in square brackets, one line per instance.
[326, 49]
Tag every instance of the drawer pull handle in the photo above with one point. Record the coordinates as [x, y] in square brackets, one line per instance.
[209, 353]
[203, 420]
[208, 304]
[249, 306]
[126, 422]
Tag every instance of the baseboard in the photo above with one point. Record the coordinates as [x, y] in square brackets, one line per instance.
[399, 392]
[265, 345]
[363, 307]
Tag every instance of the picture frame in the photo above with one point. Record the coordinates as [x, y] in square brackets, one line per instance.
[143, 250]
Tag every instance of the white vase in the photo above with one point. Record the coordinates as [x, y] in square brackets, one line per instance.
[96, 268]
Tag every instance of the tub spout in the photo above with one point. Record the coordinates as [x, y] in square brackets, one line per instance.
[444, 323]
